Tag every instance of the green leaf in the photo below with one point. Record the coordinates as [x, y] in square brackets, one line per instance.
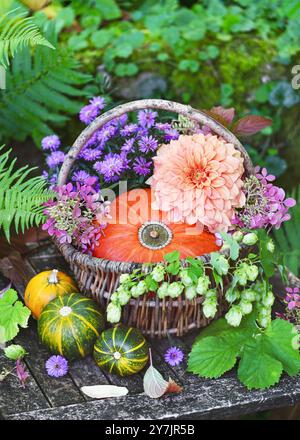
[152, 285]
[109, 9]
[266, 257]
[172, 256]
[14, 352]
[257, 369]
[213, 356]
[126, 69]
[12, 314]
[173, 268]
[282, 342]
[233, 245]
[101, 38]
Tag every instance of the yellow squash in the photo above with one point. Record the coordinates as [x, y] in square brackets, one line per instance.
[45, 287]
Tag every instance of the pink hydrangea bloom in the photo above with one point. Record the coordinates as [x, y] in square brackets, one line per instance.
[197, 179]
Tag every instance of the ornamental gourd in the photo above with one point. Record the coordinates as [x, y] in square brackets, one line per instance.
[139, 234]
[121, 350]
[70, 324]
[46, 286]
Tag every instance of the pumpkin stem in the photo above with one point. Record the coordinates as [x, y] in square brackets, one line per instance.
[53, 279]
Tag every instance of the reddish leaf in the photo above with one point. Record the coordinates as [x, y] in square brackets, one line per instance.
[227, 114]
[250, 125]
[173, 387]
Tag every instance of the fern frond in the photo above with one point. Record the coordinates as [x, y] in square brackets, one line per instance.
[42, 89]
[287, 237]
[16, 32]
[21, 199]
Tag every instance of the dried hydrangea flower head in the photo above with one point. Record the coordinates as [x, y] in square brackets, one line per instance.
[198, 180]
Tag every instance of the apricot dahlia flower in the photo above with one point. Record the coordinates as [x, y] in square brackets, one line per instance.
[197, 180]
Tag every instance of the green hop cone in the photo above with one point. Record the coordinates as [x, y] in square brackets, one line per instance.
[220, 264]
[203, 284]
[162, 291]
[124, 297]
[158, 273]
[232, 294]
[271, 246]
[234, 316]
[264, 316]
[125, 278]
[175, 289]
[114, 298]
[141, 287]
[249, 295]
[210, 307]
[268, 299]
[211, 294]
[250, 239]
[185, 278]
[113, 313]
[190, 292]
[240, 274]
[246, 306]
[252, 272]
[237, 236]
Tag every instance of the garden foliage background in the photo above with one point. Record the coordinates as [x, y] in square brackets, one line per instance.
[206, 53]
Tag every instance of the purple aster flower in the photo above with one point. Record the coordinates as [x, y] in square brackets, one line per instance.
[163, 126]
[146, 118]
[51, 143]
[92, 141]
[171, 134]
[174, 356]
[141, 166]
[80, 176]
[111, 167]
[120, 121]
[107, 132]
[90, 154]
[54, 159]
[57, 366]
[129, 130]
[88, 113]
[98, 102]
[147, 144]
[128, 146]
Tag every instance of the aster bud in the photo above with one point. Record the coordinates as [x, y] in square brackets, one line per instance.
[124, 278]
[162, 291]
[271, 246]
[158, 273]
[175, 289]
[113, 313]
[252, 272]
[237, 236]
[250, 239]
[185, 278]
[190, 292]
[203, 284]
[234, 316]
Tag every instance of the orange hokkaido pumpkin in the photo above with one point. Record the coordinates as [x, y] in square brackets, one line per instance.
[46, 286]
[136, 233]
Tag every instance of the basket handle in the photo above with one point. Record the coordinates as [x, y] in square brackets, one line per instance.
[158, 104]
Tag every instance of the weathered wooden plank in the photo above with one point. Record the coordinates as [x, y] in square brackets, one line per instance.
[14, 398]
[216, 399]
[59, 391]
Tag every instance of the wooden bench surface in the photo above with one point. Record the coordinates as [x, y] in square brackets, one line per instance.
[48, 398]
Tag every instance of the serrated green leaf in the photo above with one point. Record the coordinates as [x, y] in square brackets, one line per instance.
[172, 256]
[282, 342]
[12, 314]
[257, 369]
[213, 356]
[233, 245]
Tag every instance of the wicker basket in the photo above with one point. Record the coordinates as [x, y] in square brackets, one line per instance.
[99, 278]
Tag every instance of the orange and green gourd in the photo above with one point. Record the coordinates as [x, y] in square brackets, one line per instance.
[46, 286]
[121, 350]
[70, 324]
